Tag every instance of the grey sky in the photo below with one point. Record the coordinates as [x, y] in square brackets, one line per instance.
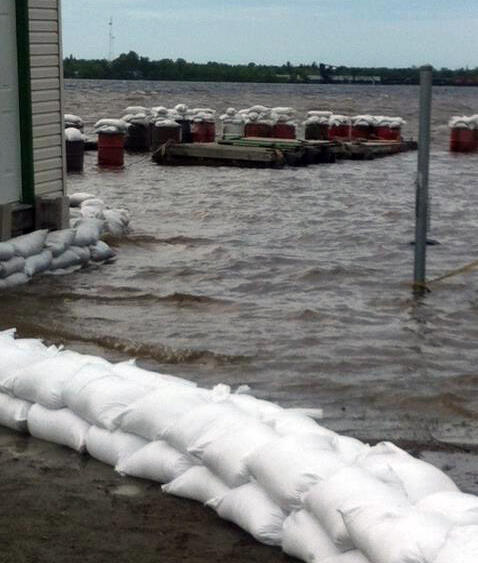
[350, 32]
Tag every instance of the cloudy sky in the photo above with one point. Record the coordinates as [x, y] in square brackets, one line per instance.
[349, 32]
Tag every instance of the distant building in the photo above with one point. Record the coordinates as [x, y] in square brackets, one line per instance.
[356, 79]
[32, 168]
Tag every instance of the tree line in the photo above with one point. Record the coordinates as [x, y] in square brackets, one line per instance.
[131, 66]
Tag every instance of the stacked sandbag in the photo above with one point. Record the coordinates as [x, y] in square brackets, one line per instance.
[111, 126]
[288, 481]
[22, 257]
[73, 121]
[62, 251]
[138, 138]
[87, 206]
[232, 124]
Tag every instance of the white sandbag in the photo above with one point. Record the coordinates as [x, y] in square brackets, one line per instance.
[100, 252]
[13, 413]
[59, 241]
[157, 461]
[255, 407]
[419, 478]
[72, 120]
[303, 537]
[65, 260]
[354, 556]
[349, 449]
[44, 381]
[78, 198]
[103, 399]
[110, 126]
[350, 485]
[88, 232]
[83, 253]
[461, 546]
[20, 278]
[112, 447]
[38, 263]
[458, 507]
[28, 245]
[151, 415]
[130, 371]
[74, 135]
[75, 214]
[390, 534]
[6, 251]
[93, 202]
[15, 357]
[59, 426]
[289, 423]
[35, 345]
[115, 222]
[284, 481]
[197, 427]
[12, 266]
[250, 508]
[197, 483]
[226, 453]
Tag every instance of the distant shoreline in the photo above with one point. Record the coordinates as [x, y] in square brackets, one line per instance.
[131, 66]
[381, 84]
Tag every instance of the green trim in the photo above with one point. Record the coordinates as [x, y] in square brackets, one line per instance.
[25, 101]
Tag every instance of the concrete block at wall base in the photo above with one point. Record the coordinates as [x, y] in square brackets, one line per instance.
[6, 221]
[52, 212]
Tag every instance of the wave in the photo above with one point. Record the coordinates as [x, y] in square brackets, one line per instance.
[157, 352]
[129, 295]
[144, 239]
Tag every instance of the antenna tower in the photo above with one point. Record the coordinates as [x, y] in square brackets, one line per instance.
[111, 40]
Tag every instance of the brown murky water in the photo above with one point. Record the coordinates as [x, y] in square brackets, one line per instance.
[295, 282]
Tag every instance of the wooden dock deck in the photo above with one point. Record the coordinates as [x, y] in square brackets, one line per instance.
[258, 152]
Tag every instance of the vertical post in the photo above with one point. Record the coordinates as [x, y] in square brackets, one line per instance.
[421, 201]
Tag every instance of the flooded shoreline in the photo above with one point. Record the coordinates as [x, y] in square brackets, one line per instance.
[294, 282]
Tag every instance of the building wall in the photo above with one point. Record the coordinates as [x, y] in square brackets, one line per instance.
[46, 60]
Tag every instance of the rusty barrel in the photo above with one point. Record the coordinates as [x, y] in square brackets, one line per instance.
[111, 149]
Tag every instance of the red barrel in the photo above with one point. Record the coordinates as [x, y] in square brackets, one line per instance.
[463, 140]
[386, 133]
[362, 131]
[317, 131]
[339, 132]
[164, 133]
[111, 149]
[283, 131]
[257, 129]
[203, 132]
[75, 153]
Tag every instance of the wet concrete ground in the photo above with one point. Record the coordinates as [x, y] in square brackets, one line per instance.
[63, 507]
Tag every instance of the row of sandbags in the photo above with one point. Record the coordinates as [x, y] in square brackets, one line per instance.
[288, 481]
[115, 222]
[55, 252]
[333, 119]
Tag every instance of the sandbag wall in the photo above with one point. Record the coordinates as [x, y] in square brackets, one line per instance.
[275, 472]
[63, 251]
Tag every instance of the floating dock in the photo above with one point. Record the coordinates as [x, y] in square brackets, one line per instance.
[258, 152]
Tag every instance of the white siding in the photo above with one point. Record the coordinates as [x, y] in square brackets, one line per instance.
[47, 86]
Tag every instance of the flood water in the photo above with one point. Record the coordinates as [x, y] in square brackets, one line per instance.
[296, 282]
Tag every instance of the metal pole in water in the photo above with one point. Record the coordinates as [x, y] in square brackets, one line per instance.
[421, 201]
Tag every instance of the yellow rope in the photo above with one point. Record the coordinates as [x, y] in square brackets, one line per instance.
[466, 268]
